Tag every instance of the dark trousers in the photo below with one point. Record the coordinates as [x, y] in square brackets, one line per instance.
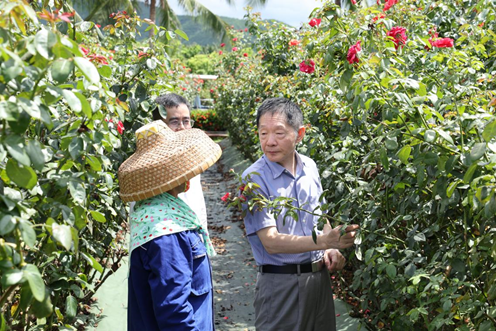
[292, 302]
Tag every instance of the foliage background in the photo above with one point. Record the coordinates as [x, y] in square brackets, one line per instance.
[405, 143]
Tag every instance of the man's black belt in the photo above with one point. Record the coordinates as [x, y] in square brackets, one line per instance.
[291, 268]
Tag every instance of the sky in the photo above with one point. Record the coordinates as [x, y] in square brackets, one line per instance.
[292, 12]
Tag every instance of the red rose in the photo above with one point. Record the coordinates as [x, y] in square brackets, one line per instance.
[353, 2]
[307, 66]
[245, 54]
[352, 53]
[442, 42]
[378, 17]
[294, 42]
[225, 197]
[222, 45]
[98, 25]
[211, 90]
[235, 39]
[234, 49]
[220, 52]
[246, 29]
[398, 34]
[315, 22]
[389, 4]
[120, 127]
[84, 50]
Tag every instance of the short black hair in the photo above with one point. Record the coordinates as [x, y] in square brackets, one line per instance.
[169, 100]
[293, 113]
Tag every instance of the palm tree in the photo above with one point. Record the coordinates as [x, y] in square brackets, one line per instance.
[197, 10]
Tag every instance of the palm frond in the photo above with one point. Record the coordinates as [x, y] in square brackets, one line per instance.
[168, 18]
[205, 16]
[256, 3]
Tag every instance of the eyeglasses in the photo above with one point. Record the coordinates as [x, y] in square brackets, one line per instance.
[175, 123]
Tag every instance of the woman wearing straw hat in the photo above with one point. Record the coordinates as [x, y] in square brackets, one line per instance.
[170, 282]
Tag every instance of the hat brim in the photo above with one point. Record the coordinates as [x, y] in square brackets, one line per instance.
[163, 163]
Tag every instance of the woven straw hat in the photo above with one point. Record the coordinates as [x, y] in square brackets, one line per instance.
[165, 159]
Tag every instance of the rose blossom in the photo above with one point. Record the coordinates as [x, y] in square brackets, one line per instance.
[378, 17]
[120, 127]
[389, 4]
[307, 66]
[399, 36]
[245, 54]
[225, 197]
[222, 45]
[442, 42]
[220, 52]
[315, 22]
[352, 53]
[234, 49]
[294, 42]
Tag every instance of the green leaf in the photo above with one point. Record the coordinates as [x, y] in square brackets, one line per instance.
[430, 135]
[490, 207]
[70, 307]
[384, 158]
[410, 270]
[11, 277]
[33, 148]
[33, 276]
[391, 271]
[91, 260]
[78, 191]
[75, 147]
[15, 147]
[470, 173]
[88, 69]
[62, 234]
[445, 136]
[86, 107]
[477, 151]
[44, 42]
[99, 217]
[489, 131]
[404, 153]
[181, 34]
[72, 100]
[7, 224]
[75, 239]
[105, 71]
[451, 188]
[27, 233]
[24, 177]
[42, 308]
[61, 69]
[391, 143]
[94, 163]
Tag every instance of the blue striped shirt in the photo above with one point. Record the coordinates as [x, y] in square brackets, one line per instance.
[276, 181]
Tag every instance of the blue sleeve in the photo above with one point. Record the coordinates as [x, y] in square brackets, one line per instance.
[171, 263]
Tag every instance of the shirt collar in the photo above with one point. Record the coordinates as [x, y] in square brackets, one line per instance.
[277, 170]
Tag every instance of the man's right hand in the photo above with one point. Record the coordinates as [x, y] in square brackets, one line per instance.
[334, 239]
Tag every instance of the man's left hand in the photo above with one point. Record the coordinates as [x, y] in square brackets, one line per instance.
[334, 260]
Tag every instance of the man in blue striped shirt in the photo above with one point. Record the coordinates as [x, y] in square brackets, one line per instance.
[293, 290]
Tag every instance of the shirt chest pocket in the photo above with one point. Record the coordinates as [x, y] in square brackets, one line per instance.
[201, 282]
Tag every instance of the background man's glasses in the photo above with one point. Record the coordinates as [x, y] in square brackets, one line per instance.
[177, 123]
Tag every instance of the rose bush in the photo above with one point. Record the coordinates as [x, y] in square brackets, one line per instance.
[71, 96]
[405, 141]
[207, 120]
